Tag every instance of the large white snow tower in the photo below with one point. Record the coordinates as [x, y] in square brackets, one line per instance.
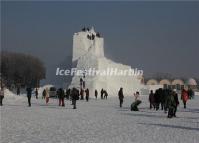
[87, 41]
[88, 53]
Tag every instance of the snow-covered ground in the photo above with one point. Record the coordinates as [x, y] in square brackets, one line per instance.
[96, 121]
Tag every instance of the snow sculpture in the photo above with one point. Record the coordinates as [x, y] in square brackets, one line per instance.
[88, 52]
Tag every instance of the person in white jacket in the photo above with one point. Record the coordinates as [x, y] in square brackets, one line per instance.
[134, 105]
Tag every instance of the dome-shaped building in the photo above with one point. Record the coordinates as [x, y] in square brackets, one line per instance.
[177, 84]
[152, 82]
[166, 83]
[191, 83]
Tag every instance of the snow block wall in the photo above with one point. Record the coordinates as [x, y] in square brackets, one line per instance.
[89, 53]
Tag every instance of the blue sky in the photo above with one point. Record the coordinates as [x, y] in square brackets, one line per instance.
[153, 36]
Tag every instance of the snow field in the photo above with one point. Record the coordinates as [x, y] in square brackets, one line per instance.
[96, 121]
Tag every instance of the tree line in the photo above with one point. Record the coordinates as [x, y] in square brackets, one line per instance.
[20, 69]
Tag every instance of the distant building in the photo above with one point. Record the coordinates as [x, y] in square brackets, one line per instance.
[166, 83]
[192, 83]
[174, 84]
[152, 82]
[178, 84]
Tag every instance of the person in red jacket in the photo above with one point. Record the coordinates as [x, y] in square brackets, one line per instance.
[184, 97]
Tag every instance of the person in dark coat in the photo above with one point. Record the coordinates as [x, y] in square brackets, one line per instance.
[84, 84]
[171, 104]
[18, 90]
[98, 34]
[78, 94]
[157, 99]
[81, 83]
[61, 97]
[162, 98]
[166, 93]
[121, 96]
[190, 93]
[87, 94]
[74, 97]
[92, 37]
[96, 93]
[68, 94]
[44, 94]
[1, 96]
[102, 93]
[105, 94]
[84, 29]
[36, 93]
[176, 103]
[29, 94]
[152, 100]
[81, 94]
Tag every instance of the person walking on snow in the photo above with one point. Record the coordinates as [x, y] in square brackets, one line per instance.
[171, 104]
[157, 99]
[184, 97]
[61, 97]
[44, 94]
[68, 94]
[87, 94]
[74, 97]
[81, 94]
[176, 103]
[151, 100]
[102, 92]
[162, 98]
[1, 96]
[47, 95]
[96, 93]
[190, 93]
[121, 96]
[105, 94]
[18, 90]
[29, 94]
[36, 93]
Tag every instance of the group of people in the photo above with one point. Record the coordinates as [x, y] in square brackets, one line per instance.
[70, 94]
[104, 94]
[82, 91]
[135, 104]
[73, 95]
[168, 100]
[84, 29]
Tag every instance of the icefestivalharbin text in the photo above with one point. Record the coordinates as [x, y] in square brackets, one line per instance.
[94, 72]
